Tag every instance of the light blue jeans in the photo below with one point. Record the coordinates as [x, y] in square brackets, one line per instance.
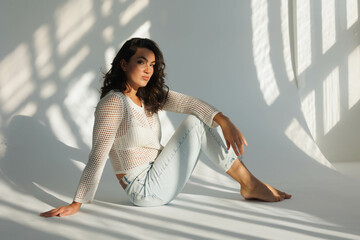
[161, 181]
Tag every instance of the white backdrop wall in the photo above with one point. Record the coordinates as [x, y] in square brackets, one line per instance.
[235, 55]
[52, 54]
[328, 70]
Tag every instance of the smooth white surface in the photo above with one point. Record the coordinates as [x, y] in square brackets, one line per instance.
[220, 52]
[328, 47]
[351, 169]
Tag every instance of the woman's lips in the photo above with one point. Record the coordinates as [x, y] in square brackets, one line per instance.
[146, 78]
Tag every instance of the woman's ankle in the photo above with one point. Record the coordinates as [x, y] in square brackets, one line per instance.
[241, 174]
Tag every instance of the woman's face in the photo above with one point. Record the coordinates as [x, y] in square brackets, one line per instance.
[140, 68]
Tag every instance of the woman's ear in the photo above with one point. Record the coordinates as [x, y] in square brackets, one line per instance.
[123, 64]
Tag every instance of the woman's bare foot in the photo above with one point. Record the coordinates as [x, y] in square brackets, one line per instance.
[252, 188]
[264, 192]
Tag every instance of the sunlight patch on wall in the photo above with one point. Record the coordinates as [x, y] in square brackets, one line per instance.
[328, 24]
[304, 142]
[74, 62]
[261, 51]
[303, 25]
[142, 31]
[60, 127]
[106, 7]
[109, 57]
[3, 144]
[48, 89]
[73, 21]
[29, 109]
[286, 39]
[79, 165]
[134, 9]
[108, 34]
[16, 83]
[308, 106]
[352, 9]
[81, 101]
[331, 100]
[43, 52]
[354, 76]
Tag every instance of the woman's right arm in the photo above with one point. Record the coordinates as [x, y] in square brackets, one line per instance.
[108, 117]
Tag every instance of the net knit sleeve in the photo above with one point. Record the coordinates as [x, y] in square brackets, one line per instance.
[181, 103]
[108, 115]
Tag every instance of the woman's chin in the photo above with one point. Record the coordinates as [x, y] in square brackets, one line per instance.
[145, 84]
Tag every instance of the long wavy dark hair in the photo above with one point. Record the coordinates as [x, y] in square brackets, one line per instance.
[154, 94]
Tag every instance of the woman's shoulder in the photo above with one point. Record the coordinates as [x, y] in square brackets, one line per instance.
[175, 94]
[112, 94]
[112, 98]
[172, 92]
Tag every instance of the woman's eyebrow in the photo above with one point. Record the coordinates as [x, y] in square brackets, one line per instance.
[145, 59]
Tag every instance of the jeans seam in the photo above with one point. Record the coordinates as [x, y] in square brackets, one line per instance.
[230, 160]
[219, 141]
[180, 143]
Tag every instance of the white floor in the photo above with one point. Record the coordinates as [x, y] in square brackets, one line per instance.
[351, 169]
[323, 207]
[36, 176]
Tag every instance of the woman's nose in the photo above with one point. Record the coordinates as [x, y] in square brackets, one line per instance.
[147, 69]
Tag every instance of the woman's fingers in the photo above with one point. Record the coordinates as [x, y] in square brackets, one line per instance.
[48, 213]
[238, 147]
[243, 138]
[241, 147]
[52, 213]
[61, 211]
[234, 138]
[227, 144]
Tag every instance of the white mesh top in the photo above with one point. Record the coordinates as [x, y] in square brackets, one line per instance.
[130, 136]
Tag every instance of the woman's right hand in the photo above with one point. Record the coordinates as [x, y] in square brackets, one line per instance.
[63, 211]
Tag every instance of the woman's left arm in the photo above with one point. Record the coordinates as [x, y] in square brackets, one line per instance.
[181, 103]
[232, 134]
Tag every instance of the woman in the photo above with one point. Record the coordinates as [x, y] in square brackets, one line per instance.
[127, 130]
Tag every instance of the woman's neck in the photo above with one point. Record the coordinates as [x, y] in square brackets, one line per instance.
[130, 92]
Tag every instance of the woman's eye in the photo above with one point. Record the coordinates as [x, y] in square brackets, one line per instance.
[140, 62]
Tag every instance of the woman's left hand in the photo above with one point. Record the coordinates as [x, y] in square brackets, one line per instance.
[232, 134]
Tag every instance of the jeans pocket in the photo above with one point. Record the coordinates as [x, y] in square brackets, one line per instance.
[140, 181]
[140, 194]
[125, 183]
